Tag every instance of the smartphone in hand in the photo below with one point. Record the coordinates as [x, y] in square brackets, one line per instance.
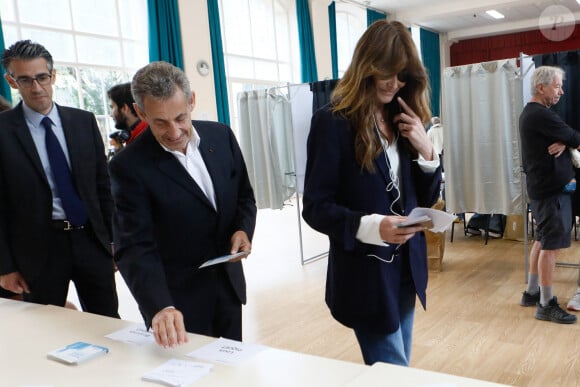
[423, 221]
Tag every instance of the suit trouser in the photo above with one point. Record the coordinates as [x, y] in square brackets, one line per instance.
[77, 255]
[210, 306]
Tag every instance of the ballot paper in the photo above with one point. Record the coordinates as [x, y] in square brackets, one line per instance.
[423, 221]
[224, 258]
[226, 351]
[441, 219]
[133, 334]
[177, 373]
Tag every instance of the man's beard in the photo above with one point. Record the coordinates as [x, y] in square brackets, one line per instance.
[121, 122]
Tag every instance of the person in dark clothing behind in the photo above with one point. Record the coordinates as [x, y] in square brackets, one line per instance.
[5, 105]
[548, 168]
[124, 113]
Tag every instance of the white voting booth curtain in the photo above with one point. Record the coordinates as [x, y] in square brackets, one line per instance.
[265, 135]
[273, 132]
[481, 142]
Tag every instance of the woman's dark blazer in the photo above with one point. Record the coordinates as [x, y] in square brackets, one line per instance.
[361, 290]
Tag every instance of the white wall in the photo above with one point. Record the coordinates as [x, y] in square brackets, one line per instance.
[321, 31]
[196, 46]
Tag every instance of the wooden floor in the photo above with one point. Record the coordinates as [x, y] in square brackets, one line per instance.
[473, 326]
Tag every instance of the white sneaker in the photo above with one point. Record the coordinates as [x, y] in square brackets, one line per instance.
[574, 303]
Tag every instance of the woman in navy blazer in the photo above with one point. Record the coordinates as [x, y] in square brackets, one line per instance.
[369, 164]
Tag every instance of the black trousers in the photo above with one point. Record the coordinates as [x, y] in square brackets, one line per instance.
[77, 256]
[209, 305]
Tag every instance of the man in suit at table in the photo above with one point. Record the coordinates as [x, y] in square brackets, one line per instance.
[182, 196]
[55, 200]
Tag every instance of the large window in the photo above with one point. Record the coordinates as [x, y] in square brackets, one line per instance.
[95, 44]
[351, 23]
[260, 41]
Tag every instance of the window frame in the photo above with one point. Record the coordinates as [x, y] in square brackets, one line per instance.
[71, 70]
[278, 8]
[351, 13]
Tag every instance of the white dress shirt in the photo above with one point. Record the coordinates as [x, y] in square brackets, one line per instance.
[369, 228]
[194, 165]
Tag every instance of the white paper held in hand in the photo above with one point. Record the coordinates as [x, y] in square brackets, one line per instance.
[224, 258]
[441, 219]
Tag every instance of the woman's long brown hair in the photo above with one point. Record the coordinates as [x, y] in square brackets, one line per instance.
[384, 50]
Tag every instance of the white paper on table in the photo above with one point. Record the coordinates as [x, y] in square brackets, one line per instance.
[223, 258]
[441, 219]
[227, 351]
[133, 334]
[177, 373]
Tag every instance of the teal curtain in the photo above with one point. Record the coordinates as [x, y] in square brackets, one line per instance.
[432, 61]
[333, 42]
[165, 32]
[306, 39]
[4, 86]
[219, 67]
[373, 16]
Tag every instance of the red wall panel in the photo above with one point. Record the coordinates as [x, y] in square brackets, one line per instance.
[509, 46]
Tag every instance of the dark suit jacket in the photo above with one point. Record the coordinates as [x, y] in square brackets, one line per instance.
[361, 290]
[25, 196]
[164, 226]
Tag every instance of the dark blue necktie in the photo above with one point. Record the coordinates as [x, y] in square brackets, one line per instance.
[71, 202]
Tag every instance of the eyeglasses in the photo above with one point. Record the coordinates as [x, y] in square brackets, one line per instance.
[27, 82]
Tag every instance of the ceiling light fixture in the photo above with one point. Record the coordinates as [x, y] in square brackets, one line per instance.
[496, 15]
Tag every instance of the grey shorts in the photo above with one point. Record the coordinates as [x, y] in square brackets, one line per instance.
[554, 221]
